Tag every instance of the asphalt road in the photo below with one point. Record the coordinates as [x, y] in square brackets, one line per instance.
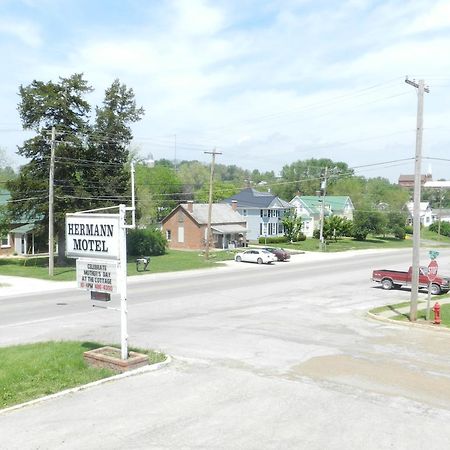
[279, 356]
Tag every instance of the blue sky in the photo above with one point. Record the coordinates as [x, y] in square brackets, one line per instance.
[265, 82]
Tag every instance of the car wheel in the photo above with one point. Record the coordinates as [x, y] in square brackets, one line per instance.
[387, 284]
[238, 259]
[259, 261]
[435, 289]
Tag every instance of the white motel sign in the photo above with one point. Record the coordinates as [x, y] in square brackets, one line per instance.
[92, 235]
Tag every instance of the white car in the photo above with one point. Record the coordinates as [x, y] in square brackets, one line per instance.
[257, 256]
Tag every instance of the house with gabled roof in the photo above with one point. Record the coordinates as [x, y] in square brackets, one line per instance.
[427, 216]
[263, 212]
[20, 239]
[186, 226]
[309, 207]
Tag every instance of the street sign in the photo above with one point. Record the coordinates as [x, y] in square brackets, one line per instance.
[92, 235]
[97, 275]
[432, 270]
[433, 254]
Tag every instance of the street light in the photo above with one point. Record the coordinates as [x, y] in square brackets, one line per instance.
[148, 162]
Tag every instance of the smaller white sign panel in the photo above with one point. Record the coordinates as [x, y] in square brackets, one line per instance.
[97, 275]
[92, 235]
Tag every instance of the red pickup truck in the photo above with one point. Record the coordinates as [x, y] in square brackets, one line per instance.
[390, 279]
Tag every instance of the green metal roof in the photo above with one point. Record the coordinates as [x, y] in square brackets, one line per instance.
[335, 202]
[24, 228]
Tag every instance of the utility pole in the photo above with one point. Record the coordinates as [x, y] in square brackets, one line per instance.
[50, 204]
[208, 230]
[420, 86]
[175, 153]
[323, 191]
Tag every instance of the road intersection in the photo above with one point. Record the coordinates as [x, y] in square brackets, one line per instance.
[280, 356]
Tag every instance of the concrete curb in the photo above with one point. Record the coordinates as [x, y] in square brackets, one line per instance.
[131, 373]
[424, 327]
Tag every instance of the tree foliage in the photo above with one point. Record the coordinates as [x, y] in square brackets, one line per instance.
[335, 227]
[305, 176]
[367, 222]
[90, 158]
[292, 225]
[158, 191]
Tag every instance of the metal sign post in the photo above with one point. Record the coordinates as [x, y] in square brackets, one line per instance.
[432, 274]
[123, 284]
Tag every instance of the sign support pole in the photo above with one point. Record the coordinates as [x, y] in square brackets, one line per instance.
[427, 317]
[123, 284]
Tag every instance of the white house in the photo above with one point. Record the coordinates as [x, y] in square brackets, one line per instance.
[427, 217]
[263, 212]
[309, 209]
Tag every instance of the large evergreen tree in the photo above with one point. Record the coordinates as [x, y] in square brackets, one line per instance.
[90, 159]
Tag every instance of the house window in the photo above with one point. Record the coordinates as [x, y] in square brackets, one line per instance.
[263, 212]
[5, 241]
[244, 212]
[168, 235]
[180, 234]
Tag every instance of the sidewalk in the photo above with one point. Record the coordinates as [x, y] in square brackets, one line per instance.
[10, 286]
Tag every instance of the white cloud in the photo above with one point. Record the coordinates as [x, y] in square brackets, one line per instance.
[197, 17]
[435, 18]
[26, 31]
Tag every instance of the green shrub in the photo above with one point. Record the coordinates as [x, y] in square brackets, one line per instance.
[409, 229]
[146, 242]
[272, 239]
[399, 232]
[300, 237]
[444, 229]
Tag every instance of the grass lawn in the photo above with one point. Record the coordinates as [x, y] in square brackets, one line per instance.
[425, 233]
[421, 310]
[395, 307]
[421, 315]
[171, 262]
[344, 244]
[31, 371]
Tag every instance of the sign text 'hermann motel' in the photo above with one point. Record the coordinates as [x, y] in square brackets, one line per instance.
[92, 235]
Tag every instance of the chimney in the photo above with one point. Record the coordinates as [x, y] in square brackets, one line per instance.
[190, 205]
[234, 204]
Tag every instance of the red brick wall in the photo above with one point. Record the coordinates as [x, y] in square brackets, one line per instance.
[193, 233]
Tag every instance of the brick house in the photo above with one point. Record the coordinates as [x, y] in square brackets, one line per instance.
[407, 181]
[185, 227]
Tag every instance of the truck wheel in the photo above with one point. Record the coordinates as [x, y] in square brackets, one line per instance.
[387, 284]
[435, 289]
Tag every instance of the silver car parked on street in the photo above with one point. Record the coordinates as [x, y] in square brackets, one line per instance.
[256, 256]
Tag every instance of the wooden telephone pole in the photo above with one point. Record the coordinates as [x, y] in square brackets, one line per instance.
[211, 177]
[420, 86]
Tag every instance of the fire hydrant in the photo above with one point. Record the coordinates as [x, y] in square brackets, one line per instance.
[437, 313]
